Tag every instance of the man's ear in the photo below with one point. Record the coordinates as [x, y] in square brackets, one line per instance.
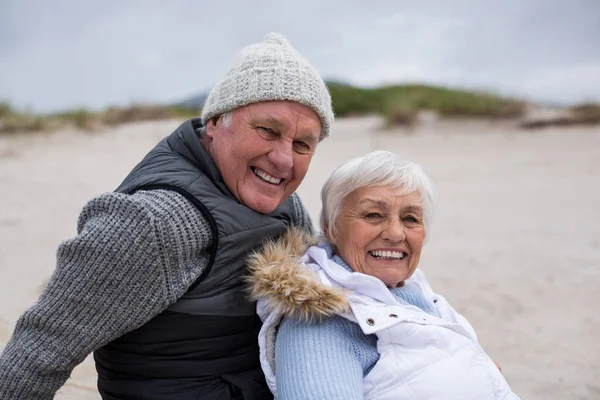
[212, 127]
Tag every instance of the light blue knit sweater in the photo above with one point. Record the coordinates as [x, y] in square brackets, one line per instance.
[328, 360]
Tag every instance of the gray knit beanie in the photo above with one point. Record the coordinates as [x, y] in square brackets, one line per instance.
[271, 70]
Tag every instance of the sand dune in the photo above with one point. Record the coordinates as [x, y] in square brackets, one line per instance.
[515, 243]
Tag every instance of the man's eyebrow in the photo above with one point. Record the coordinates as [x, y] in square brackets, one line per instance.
[277, 124]
[309, 137]
[274, 122]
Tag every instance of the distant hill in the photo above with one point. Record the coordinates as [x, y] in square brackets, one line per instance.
[195, 102]
[353, 100]
[397, 104]
[401, 101]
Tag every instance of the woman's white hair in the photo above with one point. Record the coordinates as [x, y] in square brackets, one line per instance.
[378, 168]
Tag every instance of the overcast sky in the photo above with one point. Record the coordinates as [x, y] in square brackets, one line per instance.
[58, 54]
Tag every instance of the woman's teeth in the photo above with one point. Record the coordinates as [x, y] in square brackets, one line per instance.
[266, 177]
[388, 255]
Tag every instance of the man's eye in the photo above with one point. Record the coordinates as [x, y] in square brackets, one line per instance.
[266, 132]
[302, 147]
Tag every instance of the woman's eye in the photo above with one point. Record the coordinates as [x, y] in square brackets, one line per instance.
[373, 215]
[411, 219]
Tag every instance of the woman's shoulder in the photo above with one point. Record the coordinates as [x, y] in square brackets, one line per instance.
[334, 336]
[335, 325]
[418, 278]
[283, 283]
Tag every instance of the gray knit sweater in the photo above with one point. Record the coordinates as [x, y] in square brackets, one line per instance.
[133, 256]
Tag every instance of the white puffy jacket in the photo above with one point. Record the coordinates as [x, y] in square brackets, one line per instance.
[421, 356]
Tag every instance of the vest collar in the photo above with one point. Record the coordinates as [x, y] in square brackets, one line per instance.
[186, 142]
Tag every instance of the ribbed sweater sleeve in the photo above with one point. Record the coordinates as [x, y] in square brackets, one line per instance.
[303, 220]
[132, 257]
[325, 360]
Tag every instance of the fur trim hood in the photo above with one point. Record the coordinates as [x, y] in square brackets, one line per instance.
[288, 287]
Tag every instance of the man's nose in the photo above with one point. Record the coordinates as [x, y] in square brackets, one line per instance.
[281, 155]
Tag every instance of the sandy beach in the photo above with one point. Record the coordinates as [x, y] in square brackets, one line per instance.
[515, 242]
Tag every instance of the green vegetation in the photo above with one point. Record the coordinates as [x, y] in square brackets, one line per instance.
[580, 114]
[399, 104]
[590, 112]
[5, 110]
[80, 118]
[13, 121]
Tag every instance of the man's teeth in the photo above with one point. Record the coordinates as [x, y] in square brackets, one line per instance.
[266, 177]
[392, 255]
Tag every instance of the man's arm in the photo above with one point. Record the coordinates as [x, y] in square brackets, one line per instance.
[303, 220]
[133, 256]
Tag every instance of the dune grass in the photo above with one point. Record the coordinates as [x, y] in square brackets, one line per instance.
[579, 114]
[14, 121]
[399, 104]
[590, 112]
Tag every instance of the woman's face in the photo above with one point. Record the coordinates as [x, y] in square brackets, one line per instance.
[380, 233]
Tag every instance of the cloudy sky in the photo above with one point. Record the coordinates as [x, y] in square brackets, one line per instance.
[58, 54]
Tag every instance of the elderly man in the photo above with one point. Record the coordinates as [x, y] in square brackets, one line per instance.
[153, 282]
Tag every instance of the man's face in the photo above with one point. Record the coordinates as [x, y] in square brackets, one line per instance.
[264, 152]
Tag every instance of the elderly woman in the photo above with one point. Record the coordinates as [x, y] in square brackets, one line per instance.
[353, 317]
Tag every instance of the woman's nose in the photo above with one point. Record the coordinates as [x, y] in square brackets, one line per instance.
[394, 232]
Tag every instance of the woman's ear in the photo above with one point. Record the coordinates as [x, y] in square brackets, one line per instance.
[328, 234]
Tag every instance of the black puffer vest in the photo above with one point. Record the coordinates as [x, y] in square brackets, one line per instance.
[205, 345]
